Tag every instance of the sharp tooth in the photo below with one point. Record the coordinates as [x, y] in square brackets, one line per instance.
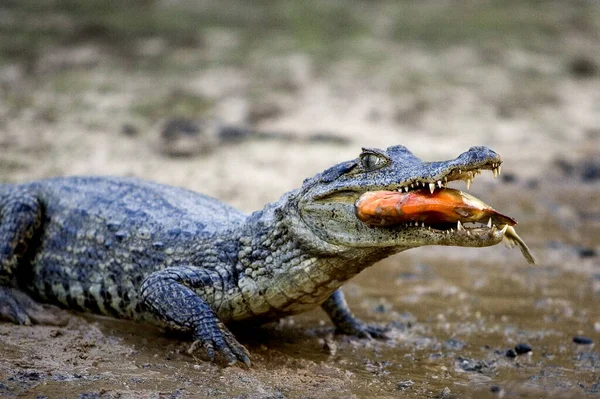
[422, 224]
[412, 185]
[451, 230]
[406, 189]
[460, 172]
[459, 226]
[468, 232]
[494, 228]
[489, 223]
[439, 183]
[445, 179]
[432, 187]
[495, 171]
[499, 169]
[504, 228]
[468, 183]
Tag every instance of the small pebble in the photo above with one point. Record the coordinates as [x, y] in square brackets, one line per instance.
[454, 344]
[380, 308]
[586, 252]
[495, 389]
[328, 345]
[582, 340]
[129, 130]
[511, 353]
[445, 394]
[522, 348]
[509, 177]
[404, 385]
[583, 67]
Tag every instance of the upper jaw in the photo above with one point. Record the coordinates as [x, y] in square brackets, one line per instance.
[438, 176]
[451, 173]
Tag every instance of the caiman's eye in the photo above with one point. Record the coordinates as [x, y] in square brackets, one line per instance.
[370, 161]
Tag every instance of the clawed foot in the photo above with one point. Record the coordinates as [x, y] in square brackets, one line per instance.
[12, 306]
[216, 337]
[17, 307]
[360, 329]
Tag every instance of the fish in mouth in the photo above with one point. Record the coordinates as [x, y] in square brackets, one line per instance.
[436, 207]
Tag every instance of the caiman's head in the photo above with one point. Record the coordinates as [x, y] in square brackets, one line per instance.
[327, 203]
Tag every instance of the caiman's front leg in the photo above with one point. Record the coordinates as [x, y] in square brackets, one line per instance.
[345, 322]
[170, 295]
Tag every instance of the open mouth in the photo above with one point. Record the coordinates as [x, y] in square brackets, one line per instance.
[431, 205]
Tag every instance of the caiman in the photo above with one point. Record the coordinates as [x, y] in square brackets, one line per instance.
[139, 250]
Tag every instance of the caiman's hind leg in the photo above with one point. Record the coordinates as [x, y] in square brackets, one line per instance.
[20, 218]
[345, 322]
[172, 295]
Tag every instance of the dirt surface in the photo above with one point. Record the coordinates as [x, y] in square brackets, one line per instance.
[89, 88]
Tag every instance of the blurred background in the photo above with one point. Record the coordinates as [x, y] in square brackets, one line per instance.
[243, 100]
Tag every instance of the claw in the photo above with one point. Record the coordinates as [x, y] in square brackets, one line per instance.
[210, 350]
[246, 360]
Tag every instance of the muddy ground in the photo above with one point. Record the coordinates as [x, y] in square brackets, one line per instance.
[89, 88]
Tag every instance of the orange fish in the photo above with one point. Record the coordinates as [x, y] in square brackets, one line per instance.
[388, 208]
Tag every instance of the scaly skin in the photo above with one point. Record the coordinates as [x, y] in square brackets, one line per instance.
[139, 250]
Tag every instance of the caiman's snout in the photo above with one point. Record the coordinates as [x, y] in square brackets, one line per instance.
[427, 203]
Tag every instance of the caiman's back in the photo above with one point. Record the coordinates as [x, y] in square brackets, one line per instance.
[100, 237]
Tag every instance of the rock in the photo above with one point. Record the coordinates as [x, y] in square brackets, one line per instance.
[263, 111]
[581, 340]
[583, 67]
[182, 137]
[478, 366]
[586, 252]
[381, 308]
[522, 348]
[511, 354]
[327, 138]
[587, 169]
[445, 394]
[129, 130]
[590, 169]
[509, 177]
[233, 134]
[404, 385]
[454, 344]
[328, 345]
